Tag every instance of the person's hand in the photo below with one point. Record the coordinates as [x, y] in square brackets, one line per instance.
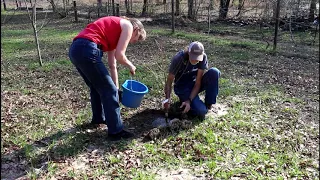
[132, 69]
[186, 105]
[166, 104]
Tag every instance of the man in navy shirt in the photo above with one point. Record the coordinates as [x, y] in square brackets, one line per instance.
[188, 72]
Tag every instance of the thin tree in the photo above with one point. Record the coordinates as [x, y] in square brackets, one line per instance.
[276, 25]
[173, 18]
[190, 9]
[312, 10]
[127, 5]
[177, 8]
[144, 8]
[209, 16]
[4, 5]
[113, 8]
[33, 20]
[56, 10]
[240, 7]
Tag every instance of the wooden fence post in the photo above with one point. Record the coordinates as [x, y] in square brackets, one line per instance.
[99, 7]
[118, 9]
[4, 5]
[107, 8]
[113, 8]
[75, 11]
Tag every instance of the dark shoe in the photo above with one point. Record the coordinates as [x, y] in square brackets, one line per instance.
[97, 122]
[209, 106]
[121, 135]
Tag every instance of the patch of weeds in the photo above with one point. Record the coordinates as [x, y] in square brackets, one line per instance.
[71, 174]
[50, 66]
[52, 168]
[290, 111]
[212, 39]
[99, 171]
[113, 159]
[227, 88]
[49, 34]
[254, 157]
[142, 175]
[84, 176]
[243, 45]
[13, 46]
[29, 152]
[212, 165]
[150, 148]
[16, 33]
[71, 144]
[32, 174]
[83, 116]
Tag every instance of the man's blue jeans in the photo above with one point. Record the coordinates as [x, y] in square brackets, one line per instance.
[209, 84]
[87, 58]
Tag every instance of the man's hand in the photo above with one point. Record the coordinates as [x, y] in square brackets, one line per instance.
[166, 104]
[186, 105]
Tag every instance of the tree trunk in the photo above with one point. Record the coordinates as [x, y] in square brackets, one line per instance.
[4, 5]
[113, 8]
[126, 3]
[54, 9]
[144, 8]
[276, 25]
[209, 16]
[312, 10]
[173, 18]
[190, 9]
[240, 7]
[35, 32]
[64, 2]
[224, 7]
[75, 11]
[177, 8]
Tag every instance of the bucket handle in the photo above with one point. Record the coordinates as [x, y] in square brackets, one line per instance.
[131, 82]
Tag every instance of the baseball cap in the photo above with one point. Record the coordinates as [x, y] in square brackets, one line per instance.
[196, 51]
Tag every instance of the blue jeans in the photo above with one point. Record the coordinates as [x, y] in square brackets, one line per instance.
[209, 84]
[87, 58]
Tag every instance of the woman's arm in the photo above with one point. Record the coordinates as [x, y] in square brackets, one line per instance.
[113, 67]
[125, 36]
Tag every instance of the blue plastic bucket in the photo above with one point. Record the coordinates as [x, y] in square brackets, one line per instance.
[133, 92]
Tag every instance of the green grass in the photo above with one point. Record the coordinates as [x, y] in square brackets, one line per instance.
[216, 41]
[261, 137]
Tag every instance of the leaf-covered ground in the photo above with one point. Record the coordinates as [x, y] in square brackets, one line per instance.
[270, 130]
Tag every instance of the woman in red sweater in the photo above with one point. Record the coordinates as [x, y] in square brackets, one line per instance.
[112, 35]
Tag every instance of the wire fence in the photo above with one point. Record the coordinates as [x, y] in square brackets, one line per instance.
[250, 9]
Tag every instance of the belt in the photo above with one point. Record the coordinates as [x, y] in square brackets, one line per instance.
[99, 46]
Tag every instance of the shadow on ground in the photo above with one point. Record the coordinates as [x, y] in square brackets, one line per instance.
[69, 143]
